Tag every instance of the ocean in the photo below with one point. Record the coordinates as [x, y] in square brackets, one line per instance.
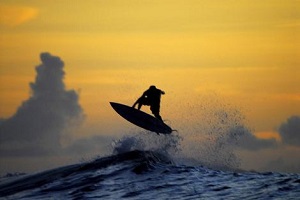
[130, 173]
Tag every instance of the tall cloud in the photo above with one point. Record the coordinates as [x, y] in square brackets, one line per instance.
[290, 131]
[40, 122]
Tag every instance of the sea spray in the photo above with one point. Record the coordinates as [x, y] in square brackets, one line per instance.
[210, 134]
[145, 140]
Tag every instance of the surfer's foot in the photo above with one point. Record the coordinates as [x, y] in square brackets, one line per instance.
[158, 117]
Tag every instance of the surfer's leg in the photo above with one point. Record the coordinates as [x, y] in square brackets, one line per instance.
[155, 111]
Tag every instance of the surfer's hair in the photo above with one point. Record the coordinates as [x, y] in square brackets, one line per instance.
[152, 87]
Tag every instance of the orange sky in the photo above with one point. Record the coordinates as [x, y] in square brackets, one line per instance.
[243, 52]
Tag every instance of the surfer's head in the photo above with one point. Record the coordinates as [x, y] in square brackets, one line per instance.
[152, 87]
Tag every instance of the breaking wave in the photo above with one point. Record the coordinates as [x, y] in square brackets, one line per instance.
[146, 175]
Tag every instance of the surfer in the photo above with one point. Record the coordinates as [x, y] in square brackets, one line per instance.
[151, 97]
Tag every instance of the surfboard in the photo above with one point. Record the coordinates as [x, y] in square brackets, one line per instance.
[141, 119]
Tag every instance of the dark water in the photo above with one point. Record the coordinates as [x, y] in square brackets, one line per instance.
[148, 175]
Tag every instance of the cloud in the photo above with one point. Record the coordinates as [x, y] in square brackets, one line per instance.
[290, 131]
[244, 139]
[40, 122]
[12, 15]
[283, 164]
[89, 145]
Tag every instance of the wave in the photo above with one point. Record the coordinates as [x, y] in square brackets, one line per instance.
[135, 161]
[148, 175]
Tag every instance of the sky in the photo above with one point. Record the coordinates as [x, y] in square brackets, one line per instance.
[230, 70]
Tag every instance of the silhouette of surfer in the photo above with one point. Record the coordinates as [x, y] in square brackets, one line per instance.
[151, 97]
